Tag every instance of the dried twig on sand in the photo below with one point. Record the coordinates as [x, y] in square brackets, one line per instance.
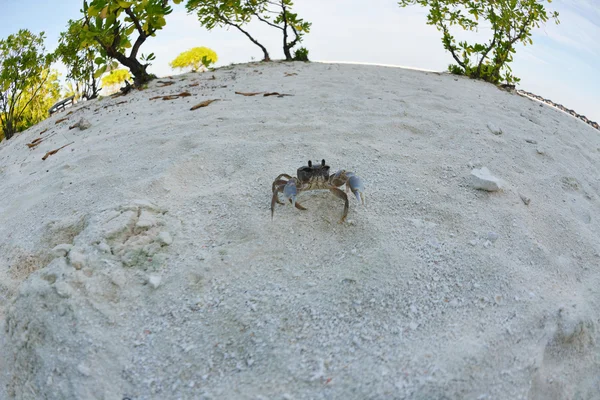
[203, 104]
[51, 152]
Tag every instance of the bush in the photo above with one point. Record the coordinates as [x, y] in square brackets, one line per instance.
[116, 77]
[512, 23]
[301, 54]
[196, 58]
[455, 69]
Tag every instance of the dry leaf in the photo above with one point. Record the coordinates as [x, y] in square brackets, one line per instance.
[203, 104]
[48, 154]
[35, 143]
[277, 94]
[156, 97]
[39, 140]
[58, 121]
[44, 131]
[165, 83]
[175, 96]
[290, 74]
[193, 84]
[249, 94]
[121, 102]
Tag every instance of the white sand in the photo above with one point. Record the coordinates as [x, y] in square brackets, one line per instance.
[434, 290]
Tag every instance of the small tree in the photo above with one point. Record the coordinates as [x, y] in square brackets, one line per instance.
[196, 58]
[111, 23]
[46, 96]
[23, 73]
[80, 61]
[511, 21]
[237, 13]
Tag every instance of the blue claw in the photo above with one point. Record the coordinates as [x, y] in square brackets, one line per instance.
[357, 187]
[290, 192]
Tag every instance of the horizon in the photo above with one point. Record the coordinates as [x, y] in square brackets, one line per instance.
[559, 66]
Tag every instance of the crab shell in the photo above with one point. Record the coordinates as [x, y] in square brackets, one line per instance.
[317, 177]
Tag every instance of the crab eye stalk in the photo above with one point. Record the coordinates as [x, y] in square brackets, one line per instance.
[322, 162]
[310, 164]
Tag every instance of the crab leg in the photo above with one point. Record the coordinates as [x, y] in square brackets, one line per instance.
[278, 180]
[355, 184]
[276, 184]
[275, 199]
[340, 193]
[290, 191]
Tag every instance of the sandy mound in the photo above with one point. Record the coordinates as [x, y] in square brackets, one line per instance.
[141, 260]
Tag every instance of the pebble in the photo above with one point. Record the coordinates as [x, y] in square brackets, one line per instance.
[146, 220]
[84, 370]
[414, 325]
[63, 289]
[164, 238]
[83, 124]
[104, 247]
[154, 281]
[492, 236]
[76, 259]
[62, 250]
[118, 277]
[526, 200]
[494, 129]
[482, 179]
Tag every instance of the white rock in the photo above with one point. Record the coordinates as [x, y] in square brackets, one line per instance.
[145, 221]
[154, 281]
[414, 325]
[482, 179]
[117, 277]
[83, 124]
[494, 129]
[62, 250]
[77, 259]
[63, 289]
[526, 200]
[104, 247]
[84, 370]
[164, 238]
[492, 236]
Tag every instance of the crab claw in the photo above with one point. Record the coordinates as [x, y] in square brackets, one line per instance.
[290, 191]
[357, 187]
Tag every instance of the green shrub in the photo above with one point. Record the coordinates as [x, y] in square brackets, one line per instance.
[455, 69]
[301, 54]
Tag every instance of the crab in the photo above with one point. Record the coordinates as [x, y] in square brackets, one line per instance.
[316, 177]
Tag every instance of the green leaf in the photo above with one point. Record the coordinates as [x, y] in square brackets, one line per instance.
[100, 71]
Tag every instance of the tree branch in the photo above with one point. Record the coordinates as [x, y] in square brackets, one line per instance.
[34, 94]
[267, 21]
[135, 21]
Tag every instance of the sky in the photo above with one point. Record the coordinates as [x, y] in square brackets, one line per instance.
[562, 65]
